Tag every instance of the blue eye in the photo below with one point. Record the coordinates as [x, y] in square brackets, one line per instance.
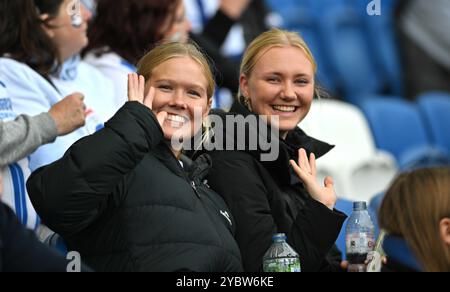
[194, 93]
[302, 81]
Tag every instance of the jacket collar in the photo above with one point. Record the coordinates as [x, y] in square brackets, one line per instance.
[192, 170]
[199, 169]
[280, 168]
[163, 153]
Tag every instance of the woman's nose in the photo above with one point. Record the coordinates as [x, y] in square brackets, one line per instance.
[289, 92]
[179, 100]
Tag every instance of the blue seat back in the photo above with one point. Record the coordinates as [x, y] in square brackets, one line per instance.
[435, 108]
[396, 125]
[381, 37]
[349, 52]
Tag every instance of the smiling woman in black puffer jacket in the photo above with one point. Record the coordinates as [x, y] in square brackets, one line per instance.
[123, 199]
[278, 194]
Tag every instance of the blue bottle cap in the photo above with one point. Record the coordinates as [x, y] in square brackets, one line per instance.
[359, 206]
[279, 237]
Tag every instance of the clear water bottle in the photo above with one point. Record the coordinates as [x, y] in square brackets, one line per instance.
[360, 238]
[281, 257]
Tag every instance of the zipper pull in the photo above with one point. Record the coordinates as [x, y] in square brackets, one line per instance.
[194, 187]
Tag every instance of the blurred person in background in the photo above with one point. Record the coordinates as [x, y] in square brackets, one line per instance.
[124, 30]
[224, 28]
[23, 135]
[415, 214]
[23, 131]
[423, 28]
[39, 65]
[20, 251]
[20, 136]
[90, 5]
[39, 60]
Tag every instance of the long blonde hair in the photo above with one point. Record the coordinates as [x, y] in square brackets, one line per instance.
[167, 51]
[272, 39]
[413, 208]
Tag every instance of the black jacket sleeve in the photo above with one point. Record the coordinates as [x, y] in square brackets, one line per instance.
[226, 70]
[72, 193]
[312, 234]
[218, 28]
[211, 40]
[20, 251]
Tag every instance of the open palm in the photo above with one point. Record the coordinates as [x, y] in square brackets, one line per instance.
[136, 92]
[306, 171]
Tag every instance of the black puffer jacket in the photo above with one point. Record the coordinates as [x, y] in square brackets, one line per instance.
[122, 199]
[267, 198]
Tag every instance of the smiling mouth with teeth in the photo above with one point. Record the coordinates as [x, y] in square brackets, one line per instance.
[177, 120]
[285, 109]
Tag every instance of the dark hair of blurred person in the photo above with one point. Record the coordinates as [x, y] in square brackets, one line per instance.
[28, 42]
[129, 28]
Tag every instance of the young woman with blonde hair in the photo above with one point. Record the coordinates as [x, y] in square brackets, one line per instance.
[279, 196]
[133, 202]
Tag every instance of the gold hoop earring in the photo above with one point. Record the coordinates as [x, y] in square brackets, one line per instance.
[247, 103]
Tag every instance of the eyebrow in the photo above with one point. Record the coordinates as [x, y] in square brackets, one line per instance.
[187, 84]
[281, 74]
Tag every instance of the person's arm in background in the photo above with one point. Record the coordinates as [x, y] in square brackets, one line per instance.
[213, 37]
[218, 27]
[23, 136]
[30, 94]
[227, 70]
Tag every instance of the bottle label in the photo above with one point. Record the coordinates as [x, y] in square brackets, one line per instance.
[282, 265]
[375, 262]
[360, 243]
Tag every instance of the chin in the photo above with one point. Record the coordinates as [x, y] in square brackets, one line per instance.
[172, 133]
[287, 126]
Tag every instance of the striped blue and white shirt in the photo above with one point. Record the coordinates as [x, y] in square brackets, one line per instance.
[24, 91]
[14, 176]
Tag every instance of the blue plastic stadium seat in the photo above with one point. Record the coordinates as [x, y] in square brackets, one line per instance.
[349, 52]
[381, 37]
[397, 249]
[319, 6]
[399, 128]
[435, 108]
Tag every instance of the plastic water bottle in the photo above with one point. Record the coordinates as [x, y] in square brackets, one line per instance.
[281, 257]
[360, 238]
